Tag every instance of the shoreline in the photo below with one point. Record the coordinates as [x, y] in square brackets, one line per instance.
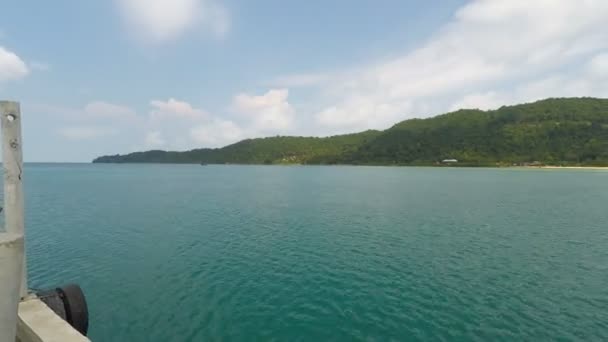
[550, 167]
[527, 167]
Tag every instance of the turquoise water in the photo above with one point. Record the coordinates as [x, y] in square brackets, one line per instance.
[254, 253]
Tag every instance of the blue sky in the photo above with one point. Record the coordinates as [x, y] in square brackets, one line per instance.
[107, 77]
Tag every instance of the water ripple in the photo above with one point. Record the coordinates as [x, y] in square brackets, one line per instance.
[184, 253]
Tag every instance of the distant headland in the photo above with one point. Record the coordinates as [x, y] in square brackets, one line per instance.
[570, 132]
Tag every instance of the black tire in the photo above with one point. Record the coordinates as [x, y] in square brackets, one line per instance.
[77, 312]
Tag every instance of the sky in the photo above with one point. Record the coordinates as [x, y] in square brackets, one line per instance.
[103, 77]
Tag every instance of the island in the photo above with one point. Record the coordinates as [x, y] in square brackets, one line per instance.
[553, 132]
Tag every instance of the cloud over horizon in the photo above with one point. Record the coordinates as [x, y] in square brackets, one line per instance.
[486, 54]
[177, 124]
[491, 53]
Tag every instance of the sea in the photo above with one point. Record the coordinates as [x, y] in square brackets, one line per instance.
[324, 253]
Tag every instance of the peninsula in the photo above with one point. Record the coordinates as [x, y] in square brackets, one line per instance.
[556, 131]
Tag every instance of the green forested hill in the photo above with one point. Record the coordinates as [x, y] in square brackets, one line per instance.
[571, 131]
[273, 150]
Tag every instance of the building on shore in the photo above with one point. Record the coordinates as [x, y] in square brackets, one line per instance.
[449, 161]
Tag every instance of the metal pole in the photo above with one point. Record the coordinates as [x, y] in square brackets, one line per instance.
[12, 161]
[11, 260]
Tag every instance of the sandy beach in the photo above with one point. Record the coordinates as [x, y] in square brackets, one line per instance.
[568, 167]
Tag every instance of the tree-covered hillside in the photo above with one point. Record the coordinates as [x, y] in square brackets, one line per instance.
[273, 150]
[553, 131]
[570, 131]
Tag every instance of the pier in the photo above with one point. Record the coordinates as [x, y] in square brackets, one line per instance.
[26, 316]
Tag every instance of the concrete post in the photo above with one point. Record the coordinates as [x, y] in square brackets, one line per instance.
[11, 260]
[12, 161]
[13, 285]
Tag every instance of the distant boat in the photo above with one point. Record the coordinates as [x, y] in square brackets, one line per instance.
[203, 164]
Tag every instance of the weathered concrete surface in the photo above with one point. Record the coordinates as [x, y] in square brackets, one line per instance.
[12, 157]
[38, 323]
[11, 258]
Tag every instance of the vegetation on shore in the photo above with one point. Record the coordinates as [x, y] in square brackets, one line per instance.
[566, 131]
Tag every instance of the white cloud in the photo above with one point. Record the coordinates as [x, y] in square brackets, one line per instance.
[216, 133]
[171, 124]
[166, 125]
[216, 18]
[186, 126]
[78, 133]
[491, 53]
[175, 109]
[488, 51]
[598, 65]
[257, 115]
[154, 139]
[587, 80]
[95, 120]
[158, 21]
[11, 66]
[267, 113]
[362, 112]
[484, 101]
